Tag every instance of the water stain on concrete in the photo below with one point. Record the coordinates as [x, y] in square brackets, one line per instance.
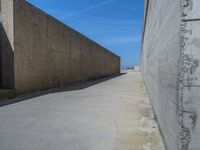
[138, 131]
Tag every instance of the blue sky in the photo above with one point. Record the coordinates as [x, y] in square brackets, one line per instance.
[115, 24]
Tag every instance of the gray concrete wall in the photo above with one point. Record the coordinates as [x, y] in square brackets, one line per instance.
[48, 53]
[189, 73]
[170, 65]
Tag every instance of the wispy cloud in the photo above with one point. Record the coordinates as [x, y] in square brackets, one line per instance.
[87, 8]
[109, 20]
[40, 3]
[128, 39]
[122, 40]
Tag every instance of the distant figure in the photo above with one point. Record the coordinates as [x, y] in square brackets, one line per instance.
[131, 68]
[0, 17]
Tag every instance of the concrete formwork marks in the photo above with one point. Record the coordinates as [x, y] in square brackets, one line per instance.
[188, 78]
[47, 53]
[170, 66]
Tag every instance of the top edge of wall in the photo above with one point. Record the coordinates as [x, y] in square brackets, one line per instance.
[38, 9]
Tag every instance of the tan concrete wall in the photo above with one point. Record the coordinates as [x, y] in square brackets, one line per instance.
[48, 53]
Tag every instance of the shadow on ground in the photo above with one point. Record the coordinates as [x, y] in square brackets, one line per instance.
[69, 87]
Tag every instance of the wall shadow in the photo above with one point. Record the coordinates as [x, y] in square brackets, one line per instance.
[0, 54]
[6, 60]
[69, 87]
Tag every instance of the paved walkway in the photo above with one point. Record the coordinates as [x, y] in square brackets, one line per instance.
[111, 115]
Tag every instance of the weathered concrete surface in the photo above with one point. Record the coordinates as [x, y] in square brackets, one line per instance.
[46, 53]
[112, 115]
[170, 66]
[7, 93]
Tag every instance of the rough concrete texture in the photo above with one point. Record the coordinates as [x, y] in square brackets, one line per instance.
[170, 66]
[112, 115]
[47, 53]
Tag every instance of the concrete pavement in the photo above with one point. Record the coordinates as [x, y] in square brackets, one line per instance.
[112, 115]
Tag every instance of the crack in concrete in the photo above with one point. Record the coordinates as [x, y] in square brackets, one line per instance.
[187, 20]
